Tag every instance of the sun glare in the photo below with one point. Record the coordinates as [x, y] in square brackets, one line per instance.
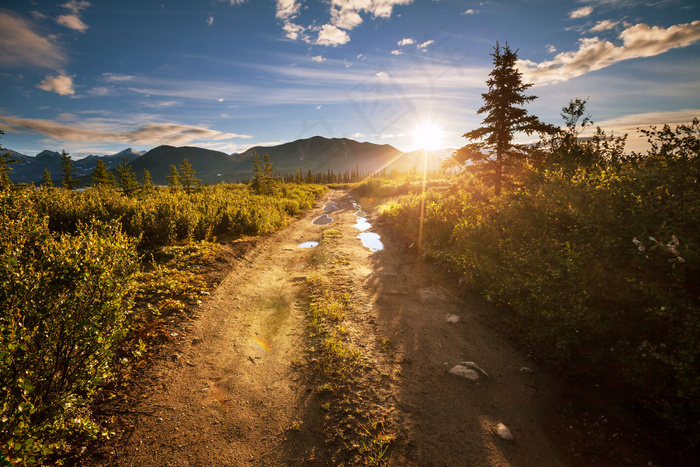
[427, 136]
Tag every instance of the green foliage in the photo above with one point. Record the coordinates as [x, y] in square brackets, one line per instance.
[600, 264]
[47, 182]
[504, 114]
[68, 273]
[264, 182]
[100, 176]
[65, 301]
[187, 176]
[173, 179]
[126, 178]
[67, 169]
[5, 169]
[569, 153]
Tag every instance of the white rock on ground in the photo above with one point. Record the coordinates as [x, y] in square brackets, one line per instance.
[452, 318]
[504, 432]
[475, 367]
[464, 372]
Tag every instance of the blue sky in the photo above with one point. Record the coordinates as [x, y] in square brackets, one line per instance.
[95, 77]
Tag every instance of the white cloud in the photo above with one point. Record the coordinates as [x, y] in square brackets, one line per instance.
[103, 131]
[318, 107]
[593, 54]
[382, 75]
[425, 44]
[293, 31]
[550, 48]
[344, 17]
[210, 21]
[358, 135]
[604, 25]
[318, 59]
[331, 35]
[72, 22]
[405, 41]
[396, 52]
[287, 9]
[221, 99]
[469, 12]
[581, 12]
[61, 85]
[22, 46]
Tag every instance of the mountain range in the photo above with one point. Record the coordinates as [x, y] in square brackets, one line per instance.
[317, 154]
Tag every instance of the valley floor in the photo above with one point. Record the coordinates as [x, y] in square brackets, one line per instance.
[240, 387]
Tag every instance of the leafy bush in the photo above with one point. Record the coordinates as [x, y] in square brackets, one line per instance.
[65, 304]
[600, 264]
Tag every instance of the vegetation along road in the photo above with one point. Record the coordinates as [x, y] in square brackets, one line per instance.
[337, 354]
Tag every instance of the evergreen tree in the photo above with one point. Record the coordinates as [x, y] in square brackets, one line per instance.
[126, 178]
[147, 180]
[310, 177]
[187, 176]
[173, 179]
[299, 177]
[47, 182]
[67, 169]
[101, 176]
[504, 114]
[5, 169]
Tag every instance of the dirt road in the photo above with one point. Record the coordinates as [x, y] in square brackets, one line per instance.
[239, 388]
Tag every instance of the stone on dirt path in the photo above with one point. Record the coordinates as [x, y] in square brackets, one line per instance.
[504, 432]
[464, 372]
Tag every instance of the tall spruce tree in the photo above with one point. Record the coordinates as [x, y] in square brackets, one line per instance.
[127, 178]
[173, 179]
[188, 178]
[101, 176]
[504, 114]
[67, 169]
[47, 182]
[5, 161]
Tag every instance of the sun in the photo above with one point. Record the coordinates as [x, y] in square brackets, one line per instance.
[427, 136]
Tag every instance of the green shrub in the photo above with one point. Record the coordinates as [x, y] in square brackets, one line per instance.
[65, 304]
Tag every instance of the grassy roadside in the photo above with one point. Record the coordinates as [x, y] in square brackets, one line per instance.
[356, 426]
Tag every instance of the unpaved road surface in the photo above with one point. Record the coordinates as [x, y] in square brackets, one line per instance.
[237, 389]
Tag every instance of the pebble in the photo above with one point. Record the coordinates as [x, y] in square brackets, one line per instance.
[526, 370]
[174, 334]
[464, 372]
[504, 432]
[452, 318]
[474, 367]
[196, 340]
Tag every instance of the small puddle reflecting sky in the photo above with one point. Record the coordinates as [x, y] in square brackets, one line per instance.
[323, 220]
[371, 240]
[362, 224]
[308, 244]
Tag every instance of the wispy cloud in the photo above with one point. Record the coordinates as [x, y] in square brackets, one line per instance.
[210, 21]
[594, 53]
[318, 59]
[22, 46]
[61, 84]
[581, 12]
[103, 131]
[405, 41]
